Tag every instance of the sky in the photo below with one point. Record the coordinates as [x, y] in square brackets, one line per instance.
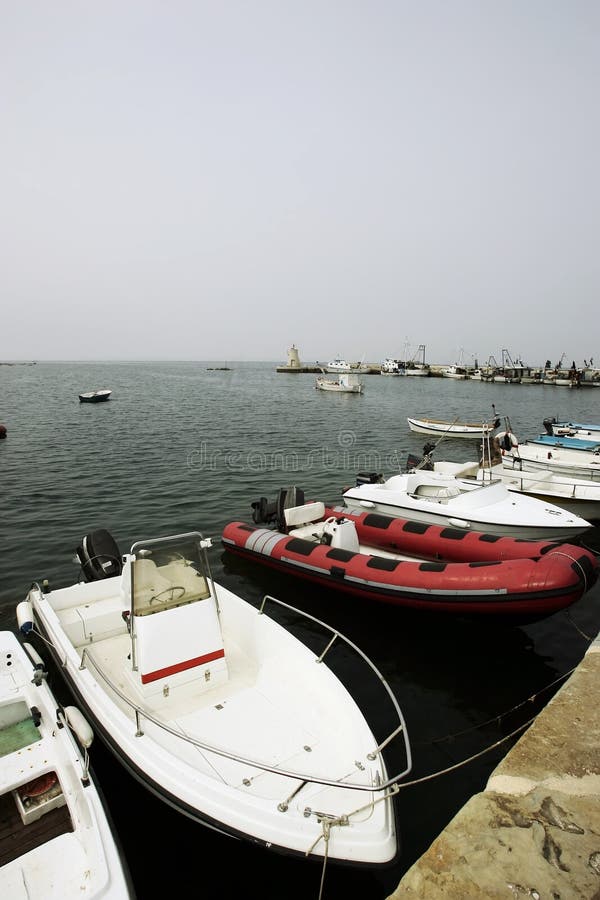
[199, 180]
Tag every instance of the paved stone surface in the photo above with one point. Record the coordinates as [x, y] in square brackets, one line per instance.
[535, 830]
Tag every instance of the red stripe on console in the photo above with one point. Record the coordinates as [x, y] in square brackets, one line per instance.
[182, 666]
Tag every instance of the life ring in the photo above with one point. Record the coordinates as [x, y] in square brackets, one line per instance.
[507, 440]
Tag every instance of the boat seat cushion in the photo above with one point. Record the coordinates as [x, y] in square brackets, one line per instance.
[91, 622]
[302, 515]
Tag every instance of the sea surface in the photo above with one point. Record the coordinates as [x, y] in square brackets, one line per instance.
[187, 446]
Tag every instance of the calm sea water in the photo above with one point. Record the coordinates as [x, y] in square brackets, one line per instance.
[184, 446]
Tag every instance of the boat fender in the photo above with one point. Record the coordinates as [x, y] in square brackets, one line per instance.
[507, 440]
[25, 617]
[38, 662]
[79, 725]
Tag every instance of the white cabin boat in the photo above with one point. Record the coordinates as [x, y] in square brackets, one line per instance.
[343, 384]
[455, 371]
[338, 365]
[391, 366]
[56, 840]
[217, 708]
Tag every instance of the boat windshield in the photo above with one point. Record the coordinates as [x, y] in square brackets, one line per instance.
[166, 573]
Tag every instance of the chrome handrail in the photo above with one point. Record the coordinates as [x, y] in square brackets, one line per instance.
[141, 714]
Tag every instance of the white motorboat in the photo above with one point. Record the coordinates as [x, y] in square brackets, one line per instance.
[343, 384]
[217, 708]
[437, 498]
[580, 497]
[456, 429]
[337, 365]
[56, 840]
[562, 460]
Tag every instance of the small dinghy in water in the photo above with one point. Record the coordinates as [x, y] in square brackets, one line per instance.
[218, 709]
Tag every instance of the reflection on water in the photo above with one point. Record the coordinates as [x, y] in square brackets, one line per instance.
[182, 447]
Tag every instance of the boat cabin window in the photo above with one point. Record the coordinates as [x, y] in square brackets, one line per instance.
[167, 573]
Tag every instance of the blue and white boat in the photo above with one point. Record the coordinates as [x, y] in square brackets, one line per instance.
[581, 430]
[569, 443]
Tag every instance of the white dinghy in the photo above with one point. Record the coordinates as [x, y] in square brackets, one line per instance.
[56, 841]
[217, 708]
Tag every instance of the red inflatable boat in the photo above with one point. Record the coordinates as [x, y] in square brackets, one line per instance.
[411, 564]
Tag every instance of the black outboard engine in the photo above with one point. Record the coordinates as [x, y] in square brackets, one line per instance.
[368, 478]
[263, 512]
[266, 513]
[99, 556]
[548, 423]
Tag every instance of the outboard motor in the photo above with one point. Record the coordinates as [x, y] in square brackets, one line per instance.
[265, 513]
[548, 423]
[368, 478]
[99, 556]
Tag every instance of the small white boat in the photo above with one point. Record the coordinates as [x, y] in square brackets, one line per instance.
[343, 384]
[95, 396]
[217, 708]
[436, 498]
[337, 365]
[440, 428]
[578, 496]
[562, 460]
[56, 840]
[455, 371]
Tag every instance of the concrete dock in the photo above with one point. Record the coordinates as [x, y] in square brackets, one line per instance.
[535, 829]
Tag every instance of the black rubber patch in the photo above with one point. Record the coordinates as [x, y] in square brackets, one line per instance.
[381, 562]
[300, 546]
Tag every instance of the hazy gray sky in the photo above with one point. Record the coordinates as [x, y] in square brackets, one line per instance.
[219, 180]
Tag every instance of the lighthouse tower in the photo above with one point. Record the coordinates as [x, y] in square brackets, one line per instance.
[293, 358]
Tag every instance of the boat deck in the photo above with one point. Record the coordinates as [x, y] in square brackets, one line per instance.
[16, 838]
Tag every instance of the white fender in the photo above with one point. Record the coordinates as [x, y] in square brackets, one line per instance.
[80, 725]
[25, 616]
[35, 657]
[506, 437]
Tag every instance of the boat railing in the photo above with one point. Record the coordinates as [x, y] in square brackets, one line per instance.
[143, 715]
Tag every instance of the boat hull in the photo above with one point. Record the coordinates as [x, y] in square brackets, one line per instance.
[553, 577]
[439, 428]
